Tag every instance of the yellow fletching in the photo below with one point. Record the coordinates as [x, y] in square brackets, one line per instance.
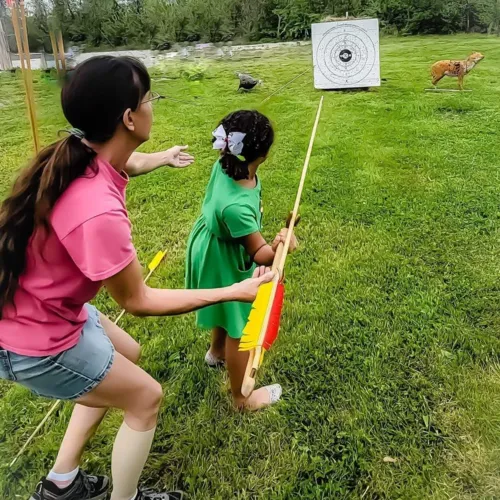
[253, 328]
[156, 261]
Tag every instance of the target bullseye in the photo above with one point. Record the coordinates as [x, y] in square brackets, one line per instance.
[346, 54]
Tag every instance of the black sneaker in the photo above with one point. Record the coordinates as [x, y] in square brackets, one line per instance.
[167, 495]
[84, 487]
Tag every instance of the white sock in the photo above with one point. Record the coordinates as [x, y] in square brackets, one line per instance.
[62, 480]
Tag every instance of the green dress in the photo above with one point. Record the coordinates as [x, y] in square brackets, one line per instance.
[215, 257]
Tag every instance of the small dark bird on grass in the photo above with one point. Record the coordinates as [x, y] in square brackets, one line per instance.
[247, 82]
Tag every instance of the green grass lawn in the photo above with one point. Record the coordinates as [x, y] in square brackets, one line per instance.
[390, 340]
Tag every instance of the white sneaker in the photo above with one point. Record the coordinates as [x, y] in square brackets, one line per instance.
[213, 361]
[275, 391]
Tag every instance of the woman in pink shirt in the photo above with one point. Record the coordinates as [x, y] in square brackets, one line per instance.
[65, 233]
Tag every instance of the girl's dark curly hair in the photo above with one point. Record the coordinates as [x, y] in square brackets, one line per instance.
[257, 142]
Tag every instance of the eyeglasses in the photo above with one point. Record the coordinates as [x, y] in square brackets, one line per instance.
[155, 97]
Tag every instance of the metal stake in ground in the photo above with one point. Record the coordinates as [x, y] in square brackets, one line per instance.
[152, 267]
[283, 87]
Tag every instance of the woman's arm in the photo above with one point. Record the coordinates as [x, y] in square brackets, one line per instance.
[143, 163]
[262, 253]
[128, 289]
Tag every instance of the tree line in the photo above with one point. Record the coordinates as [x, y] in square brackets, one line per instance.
[160, 23]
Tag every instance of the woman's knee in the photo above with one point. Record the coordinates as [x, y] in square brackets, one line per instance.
[155, 395]
[147, 401]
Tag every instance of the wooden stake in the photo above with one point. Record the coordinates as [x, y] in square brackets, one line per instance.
[18, 22]
[28, 67]
[17, 34]
[55, 51]
[62, 55]
[152, 267]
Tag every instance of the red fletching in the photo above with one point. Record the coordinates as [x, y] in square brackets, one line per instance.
[10, 3]
[275, 317]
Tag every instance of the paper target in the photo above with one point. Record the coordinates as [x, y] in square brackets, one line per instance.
[346, 54]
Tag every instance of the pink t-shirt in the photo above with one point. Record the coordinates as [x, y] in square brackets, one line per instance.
[89, 241]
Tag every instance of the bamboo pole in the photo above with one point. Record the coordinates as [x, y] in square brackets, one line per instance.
[62, 55]
[55, 51]
[28, 72]
[21, 35]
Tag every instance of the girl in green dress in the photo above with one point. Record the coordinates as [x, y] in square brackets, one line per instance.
[226, 245]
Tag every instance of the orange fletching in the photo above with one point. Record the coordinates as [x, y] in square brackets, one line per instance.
[274, 318]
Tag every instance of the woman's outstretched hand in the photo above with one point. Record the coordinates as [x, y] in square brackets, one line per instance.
[178, 158]
[143, 163]
[246, 291]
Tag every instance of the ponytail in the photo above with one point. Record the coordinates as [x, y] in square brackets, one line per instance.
[29, 205]
[94, 98]
[234, 167]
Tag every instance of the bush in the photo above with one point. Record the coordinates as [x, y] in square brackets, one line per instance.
[193, 72]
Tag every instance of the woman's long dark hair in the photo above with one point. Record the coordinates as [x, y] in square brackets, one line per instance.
[257, 142]
[94, 98]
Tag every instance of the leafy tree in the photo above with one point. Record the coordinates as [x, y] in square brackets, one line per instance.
[152, 23]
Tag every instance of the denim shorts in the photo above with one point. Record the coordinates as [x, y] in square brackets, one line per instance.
[69, 374]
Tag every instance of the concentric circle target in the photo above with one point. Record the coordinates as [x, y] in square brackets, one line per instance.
[346, 54]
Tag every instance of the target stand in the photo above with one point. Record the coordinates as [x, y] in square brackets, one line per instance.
[346, 54]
